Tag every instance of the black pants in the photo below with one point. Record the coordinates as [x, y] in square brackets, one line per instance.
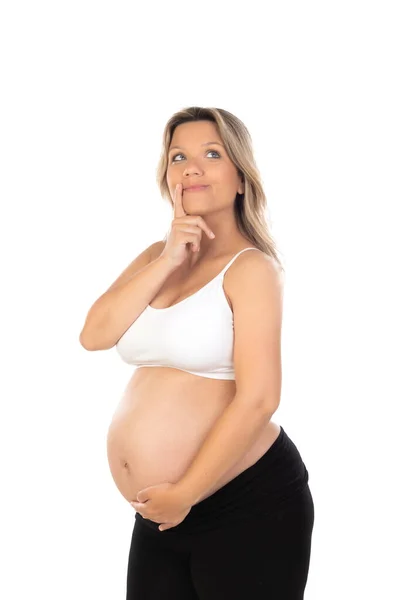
[250, 539]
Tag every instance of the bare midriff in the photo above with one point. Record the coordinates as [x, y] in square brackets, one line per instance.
[160, 424]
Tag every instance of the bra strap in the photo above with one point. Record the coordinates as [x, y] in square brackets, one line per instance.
[232, 259]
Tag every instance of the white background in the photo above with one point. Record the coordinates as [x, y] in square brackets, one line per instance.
[86, 89]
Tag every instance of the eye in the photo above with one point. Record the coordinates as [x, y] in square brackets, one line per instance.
[180, 154]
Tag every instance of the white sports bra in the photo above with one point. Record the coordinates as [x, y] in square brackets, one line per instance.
[194, 335]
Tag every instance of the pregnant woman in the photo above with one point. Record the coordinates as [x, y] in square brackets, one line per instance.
[221, 494]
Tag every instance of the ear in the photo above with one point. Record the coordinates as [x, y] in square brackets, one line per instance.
[241, 186]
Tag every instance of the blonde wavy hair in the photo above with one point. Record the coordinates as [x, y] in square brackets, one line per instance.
[249, 207]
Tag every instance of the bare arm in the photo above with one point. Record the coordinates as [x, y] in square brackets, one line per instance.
[122, 303]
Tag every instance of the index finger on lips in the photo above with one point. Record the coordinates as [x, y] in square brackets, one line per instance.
[178, 206]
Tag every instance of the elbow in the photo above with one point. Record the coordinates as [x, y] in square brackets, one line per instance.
[270, 406]
[266, 406]
[92, 345]
[267, 410]
[85, 342]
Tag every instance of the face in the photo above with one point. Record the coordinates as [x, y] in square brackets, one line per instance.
[196, 161]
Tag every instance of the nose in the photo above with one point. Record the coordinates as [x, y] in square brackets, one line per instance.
[192, 167]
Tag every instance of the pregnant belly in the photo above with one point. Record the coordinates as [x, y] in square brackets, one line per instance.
[160, 424]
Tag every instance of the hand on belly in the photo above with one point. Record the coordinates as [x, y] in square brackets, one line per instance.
[162, 504]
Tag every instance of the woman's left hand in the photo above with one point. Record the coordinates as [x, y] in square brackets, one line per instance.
[163, 504]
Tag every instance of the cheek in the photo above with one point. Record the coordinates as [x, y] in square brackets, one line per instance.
[225, 172]
[170, 182]
[172, 176]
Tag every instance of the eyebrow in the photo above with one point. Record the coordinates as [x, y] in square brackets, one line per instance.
[206, 144]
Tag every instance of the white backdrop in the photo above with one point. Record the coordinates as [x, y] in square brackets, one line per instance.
[87, 88]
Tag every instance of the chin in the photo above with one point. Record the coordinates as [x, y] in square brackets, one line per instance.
[198, 211]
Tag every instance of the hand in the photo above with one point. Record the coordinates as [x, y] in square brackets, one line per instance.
[185, 233]
[163, 504]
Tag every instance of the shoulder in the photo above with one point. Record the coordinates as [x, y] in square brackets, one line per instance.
[257, 262]
[253, 274]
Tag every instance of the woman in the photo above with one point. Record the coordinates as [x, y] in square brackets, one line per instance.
[223, 506]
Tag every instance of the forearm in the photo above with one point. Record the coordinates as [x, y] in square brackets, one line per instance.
[118, 308]
[228, 441]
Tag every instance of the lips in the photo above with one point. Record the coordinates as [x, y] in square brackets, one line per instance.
[195, 188]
